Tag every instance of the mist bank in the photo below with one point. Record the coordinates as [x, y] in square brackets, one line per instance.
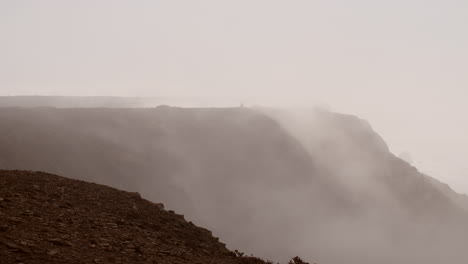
[28, 101]
[271, 182]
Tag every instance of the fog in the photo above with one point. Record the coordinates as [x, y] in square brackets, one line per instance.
[356, 159]
[398, 67]
[399, 64]
[268, 181]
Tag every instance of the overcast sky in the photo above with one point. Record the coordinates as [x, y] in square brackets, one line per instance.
[401, 64]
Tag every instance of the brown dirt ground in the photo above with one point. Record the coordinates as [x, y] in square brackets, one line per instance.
[46, 218]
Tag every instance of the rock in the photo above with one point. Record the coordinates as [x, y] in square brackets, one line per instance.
[136, 194]
[12, 245]
[53, 252]
[104, 245]
[113, 232]
[59, 242]
[16, 219]
[138, 249]
[131, 246]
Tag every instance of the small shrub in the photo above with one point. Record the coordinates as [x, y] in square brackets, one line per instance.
[297, 260]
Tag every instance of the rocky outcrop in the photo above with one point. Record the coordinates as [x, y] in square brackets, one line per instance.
[45, 218]
[268, 183]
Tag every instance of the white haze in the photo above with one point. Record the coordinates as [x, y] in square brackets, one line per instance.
[399, 64]
[338, 197]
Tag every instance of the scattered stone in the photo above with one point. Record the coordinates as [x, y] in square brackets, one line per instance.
[16, 219]
[12, 245]
[59, 242]
[96, 224]
[138, 249]
[53, 252]
[136, 194]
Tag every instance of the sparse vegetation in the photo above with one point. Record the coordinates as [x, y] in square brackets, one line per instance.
[297, 260]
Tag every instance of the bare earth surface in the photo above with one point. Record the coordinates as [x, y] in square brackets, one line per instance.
[46, 218]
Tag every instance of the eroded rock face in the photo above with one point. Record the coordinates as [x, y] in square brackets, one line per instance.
[49, 219]
[323, 186]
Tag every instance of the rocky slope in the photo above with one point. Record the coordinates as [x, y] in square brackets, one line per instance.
[50, 219]
[269, 183]
[457, 198]
[78, 101]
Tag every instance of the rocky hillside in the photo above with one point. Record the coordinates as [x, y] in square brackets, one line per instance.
[268, 182]
[50, 219]
[78, 101]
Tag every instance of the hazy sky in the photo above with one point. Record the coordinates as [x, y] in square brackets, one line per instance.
[401, 64]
